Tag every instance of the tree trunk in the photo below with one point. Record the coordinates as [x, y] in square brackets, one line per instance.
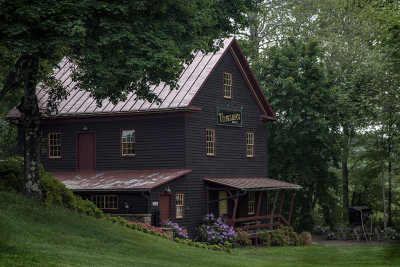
[274, 202]
[383, 184]
[345, 173]
[390, 184]
[31, 126]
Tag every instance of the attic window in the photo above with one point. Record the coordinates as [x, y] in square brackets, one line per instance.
[128, 143]
[227, 85]
[54, 145]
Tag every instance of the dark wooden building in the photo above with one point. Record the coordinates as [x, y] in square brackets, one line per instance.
[202, 149]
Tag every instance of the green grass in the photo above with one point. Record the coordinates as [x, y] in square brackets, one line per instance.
[53, 236]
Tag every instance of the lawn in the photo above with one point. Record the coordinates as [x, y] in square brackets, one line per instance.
[52, 236]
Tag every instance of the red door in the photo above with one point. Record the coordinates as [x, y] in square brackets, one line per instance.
[86, 151]
[165, 208]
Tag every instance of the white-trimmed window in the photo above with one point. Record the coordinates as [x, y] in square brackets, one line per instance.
[249, 145]
[128, 142]
[223, 202]
[250, 202]
[210, 142]
[227, 85]
[54, 145]
[179, 205]
[109, 202]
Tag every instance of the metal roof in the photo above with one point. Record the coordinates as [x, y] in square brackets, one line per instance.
[117, 180]
[253, 183]
[80, 103]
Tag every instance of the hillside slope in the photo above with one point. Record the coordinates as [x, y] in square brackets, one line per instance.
[53, 236]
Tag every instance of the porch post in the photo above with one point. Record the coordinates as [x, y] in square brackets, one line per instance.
[208, 199]
[266, 208]
[291, 206]
[281, 204]
[235, 200]
[259, 203]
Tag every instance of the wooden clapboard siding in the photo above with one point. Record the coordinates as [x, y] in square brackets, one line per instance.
[230, 159]
[159, 144]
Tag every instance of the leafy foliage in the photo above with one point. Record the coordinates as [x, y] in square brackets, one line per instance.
[243, 238]
[283, 236]
[119, 47]
[53, 191]
[177, 231]
[302, 142]
[215, 231]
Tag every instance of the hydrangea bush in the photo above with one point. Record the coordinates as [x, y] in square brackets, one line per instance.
[215, 231]
[321, 230]
[177, 231]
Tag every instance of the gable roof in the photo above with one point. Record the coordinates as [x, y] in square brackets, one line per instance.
[79, 103]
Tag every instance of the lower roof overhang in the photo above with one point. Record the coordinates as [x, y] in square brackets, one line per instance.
[252, 183]
[118, 180]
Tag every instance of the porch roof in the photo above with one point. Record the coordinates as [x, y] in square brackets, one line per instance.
[253, 183]
[118, 180]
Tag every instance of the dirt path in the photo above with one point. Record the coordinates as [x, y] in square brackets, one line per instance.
[319, 240]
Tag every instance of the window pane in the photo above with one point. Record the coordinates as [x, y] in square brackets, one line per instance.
[54, 145]
[210, 142]
[128, 142]
[249, 144]
[250, 202]
[179, 205]
[227, 85]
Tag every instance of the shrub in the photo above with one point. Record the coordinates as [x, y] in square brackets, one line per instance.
[152, 228]
[53, 191]
[284, 236]
[215, 231]
[390, 234]
[341, 232]
[177, 231]
[265, 238]
[331, 236]
[304, 238]
[321, 230]
[12, 174]
[243, 238]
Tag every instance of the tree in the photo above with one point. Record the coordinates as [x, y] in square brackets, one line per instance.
[119, 47]
[302, 142]
[351, 33]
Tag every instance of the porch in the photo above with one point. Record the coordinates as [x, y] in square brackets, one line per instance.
[251, 204]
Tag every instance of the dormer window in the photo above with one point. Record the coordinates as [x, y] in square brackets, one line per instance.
[227, 85]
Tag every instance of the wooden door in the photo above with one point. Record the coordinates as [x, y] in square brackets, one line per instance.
[165, 208]
[86, 151]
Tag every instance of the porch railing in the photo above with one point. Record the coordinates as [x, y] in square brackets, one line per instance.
[257, 222]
